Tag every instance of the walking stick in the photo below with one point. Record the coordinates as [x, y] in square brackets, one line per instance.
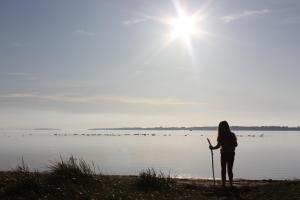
[212, 162]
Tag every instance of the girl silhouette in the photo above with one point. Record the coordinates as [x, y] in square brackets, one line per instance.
[227, 141]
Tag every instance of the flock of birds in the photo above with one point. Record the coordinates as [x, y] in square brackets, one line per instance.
[134, 134]
[140, 134]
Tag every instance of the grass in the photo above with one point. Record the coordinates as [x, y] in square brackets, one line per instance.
[21, 183]
[75, 179]
[72, 178]
[278, 190]
[66, 179]
[151, 179]
[72, 170]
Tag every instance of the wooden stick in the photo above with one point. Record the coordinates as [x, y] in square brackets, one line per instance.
[212, 161]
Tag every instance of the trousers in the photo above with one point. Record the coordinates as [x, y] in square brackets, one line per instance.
[227, 159]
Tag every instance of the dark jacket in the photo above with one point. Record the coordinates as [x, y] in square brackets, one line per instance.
[227, 142]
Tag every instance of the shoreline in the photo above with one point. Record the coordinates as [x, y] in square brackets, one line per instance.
[52, 185]
[204, 179]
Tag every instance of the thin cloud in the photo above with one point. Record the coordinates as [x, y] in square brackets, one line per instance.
[82, 32]
[25, 75]
[133, 21]
[94, 99]
[246, 13]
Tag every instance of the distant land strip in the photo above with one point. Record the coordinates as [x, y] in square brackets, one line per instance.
[206, 128]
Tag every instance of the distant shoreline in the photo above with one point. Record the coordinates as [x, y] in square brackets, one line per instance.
[207, 128]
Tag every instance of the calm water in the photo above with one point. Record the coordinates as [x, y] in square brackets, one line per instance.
[272, 155]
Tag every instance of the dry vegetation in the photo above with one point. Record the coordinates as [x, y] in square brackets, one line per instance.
[76, 179]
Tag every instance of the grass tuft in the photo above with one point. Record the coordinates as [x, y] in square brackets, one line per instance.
[73, 170]
[67, 179]
[23, 183]
[151, 179]
[72, 178]
[22, 167]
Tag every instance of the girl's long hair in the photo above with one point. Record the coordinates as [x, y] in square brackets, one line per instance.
[223, 130]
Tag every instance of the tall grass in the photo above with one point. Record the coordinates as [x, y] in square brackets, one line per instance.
[22, 167]
[22, 182]
[151, 179]
[73, 170]
[72, 178]
[66, 179]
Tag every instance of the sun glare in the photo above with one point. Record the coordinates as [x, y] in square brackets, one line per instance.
[183, 27]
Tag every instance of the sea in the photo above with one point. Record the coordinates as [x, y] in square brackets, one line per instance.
[179, 153]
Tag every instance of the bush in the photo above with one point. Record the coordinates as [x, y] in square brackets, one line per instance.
[72, 179]
[150, 179]
[22, 182]
[72, 170]
[67, 179]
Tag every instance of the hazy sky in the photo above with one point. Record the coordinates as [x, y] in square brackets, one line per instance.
[82, 64]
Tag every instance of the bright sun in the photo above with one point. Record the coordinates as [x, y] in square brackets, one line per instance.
[183, 27]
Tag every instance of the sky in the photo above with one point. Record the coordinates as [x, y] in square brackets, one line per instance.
[98, 63]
